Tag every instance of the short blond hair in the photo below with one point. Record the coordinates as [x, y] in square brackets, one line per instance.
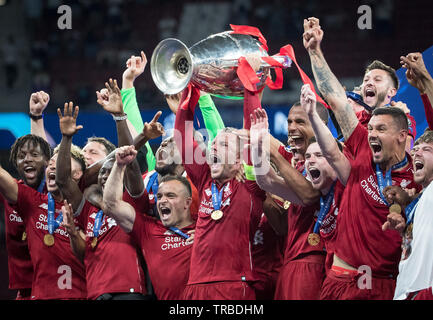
[76, 154]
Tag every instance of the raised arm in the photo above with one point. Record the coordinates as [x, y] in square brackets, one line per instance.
[37, 104]
[8, 186]
[68, 128]
[211, 117]
[151, 130]
[184, 129]
[418, 76]
[329, 86]
[266, 177]
[133, 181]
[325, 139]
[134, 68]
[294, 180]
[113, 205]
[277, 215]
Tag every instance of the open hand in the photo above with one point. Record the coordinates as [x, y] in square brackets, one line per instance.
[68, 121]
[173, 101]
[135, 67]
[259, 129]
[113, 104]
[68, 218]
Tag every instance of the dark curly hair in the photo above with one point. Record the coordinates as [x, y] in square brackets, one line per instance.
[35, 141]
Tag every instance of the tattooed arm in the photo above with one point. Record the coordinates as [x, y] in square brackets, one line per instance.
[329, 86]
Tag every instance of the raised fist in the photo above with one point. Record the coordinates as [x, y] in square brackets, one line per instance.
[38, 102]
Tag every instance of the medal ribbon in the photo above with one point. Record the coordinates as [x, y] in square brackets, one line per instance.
[410, 210]
[98, 223]
[387, 180]
[217, 196]
[178, 232]
[53, 224]
[153, 184]
[42, 185]
[325, 204]
[358, 99]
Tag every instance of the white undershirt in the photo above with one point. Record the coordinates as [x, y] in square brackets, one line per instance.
[416, 272]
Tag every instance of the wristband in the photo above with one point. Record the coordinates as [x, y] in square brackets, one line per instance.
[249, 172]
[34, 117]
[120, 118]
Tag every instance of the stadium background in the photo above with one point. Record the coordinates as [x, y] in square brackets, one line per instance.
[72, 64]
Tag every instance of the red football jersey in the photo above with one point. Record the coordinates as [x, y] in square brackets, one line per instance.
[360, 239]
[328, 229]
[113, 265]
[222, 248]
[19, 260]
[167, 256]
[58, 274]
[268, 250]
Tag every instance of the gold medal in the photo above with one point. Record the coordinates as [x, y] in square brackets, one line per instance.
[24, 236]
[395, 208]
[94, 242]
[313, 239]
[286, 205]
[217, 214]
[49, 240]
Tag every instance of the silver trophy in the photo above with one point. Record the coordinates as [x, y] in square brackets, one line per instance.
[210, 64]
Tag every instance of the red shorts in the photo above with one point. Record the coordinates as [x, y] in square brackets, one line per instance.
[227, 290]
[425, 294]
[350, 286]
[265, 288]
[301, 279]
[24, 294]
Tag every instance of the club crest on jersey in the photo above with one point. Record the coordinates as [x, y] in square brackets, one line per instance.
[208, 192]
[404, 183]
[168, 233]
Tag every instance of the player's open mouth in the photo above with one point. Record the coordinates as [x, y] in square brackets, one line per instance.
[165, 212]
[30, 172]
[215, 161]
[418, 165]
[369, 95]
[51, 179]
[297, 141]
[162, 155]
[314, 173]
[376, 147]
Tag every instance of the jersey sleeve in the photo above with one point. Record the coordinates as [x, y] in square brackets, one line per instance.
[184, 138]
[428, 110]
[140, 204]
[28, 198]
[140, 229]
[251, 102]
[255, 190]
[357, 143]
